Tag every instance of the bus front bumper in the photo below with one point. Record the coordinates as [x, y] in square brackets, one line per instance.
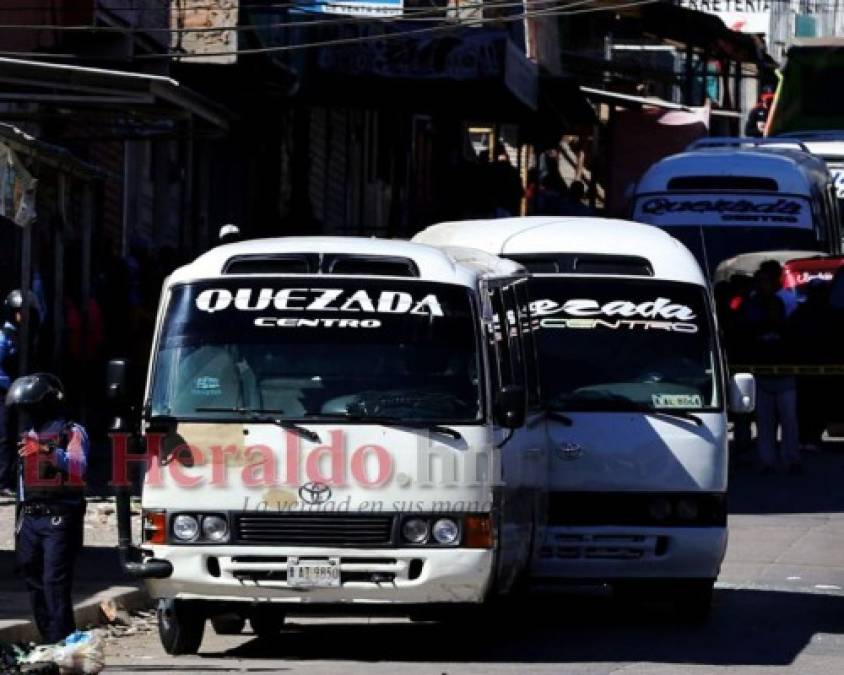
[386, 576]
[606, 553]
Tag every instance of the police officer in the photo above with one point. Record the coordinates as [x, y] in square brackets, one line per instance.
[54, 459]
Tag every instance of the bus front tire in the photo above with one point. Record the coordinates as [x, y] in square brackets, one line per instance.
[180, 626]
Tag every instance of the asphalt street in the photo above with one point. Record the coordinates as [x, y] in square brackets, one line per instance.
[779, 607]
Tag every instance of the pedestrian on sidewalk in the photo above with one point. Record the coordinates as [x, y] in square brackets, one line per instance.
[505, 184]
[54, 459]
[776, 395]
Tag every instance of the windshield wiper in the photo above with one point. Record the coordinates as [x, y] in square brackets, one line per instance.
[620, 405]
[626, 405]
[391, 421]
[558, 416]
[411, 398]
[267, 417]
[682, 414]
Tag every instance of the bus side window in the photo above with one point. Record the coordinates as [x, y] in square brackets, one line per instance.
[827, 217]
[834, 219]
[498, 342]
[508, 337]
[514, 335]
[819, 215]
[529, 343]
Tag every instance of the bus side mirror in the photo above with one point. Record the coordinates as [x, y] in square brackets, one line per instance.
[510, 406]
[742, 393]
[116, 376]
[123, 416]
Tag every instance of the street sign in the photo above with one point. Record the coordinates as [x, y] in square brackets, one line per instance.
[744, 16]
[354, 7]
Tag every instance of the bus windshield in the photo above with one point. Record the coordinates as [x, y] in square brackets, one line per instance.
[315, 348]
[621, 344]
[712, 245]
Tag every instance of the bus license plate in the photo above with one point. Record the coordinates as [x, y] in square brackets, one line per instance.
[313, 573]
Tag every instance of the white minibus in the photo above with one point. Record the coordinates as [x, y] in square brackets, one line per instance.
[635, 391]
[829, 146]
[723, 199]
[336, 424]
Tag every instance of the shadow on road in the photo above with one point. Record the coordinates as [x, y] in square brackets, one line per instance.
[97, 569]
[748, 627]
[816, 491]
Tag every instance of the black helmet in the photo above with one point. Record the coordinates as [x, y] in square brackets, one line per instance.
[35, 390]
[15, 301]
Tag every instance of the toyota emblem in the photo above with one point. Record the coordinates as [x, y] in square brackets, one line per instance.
[315, 493]
[570, 450]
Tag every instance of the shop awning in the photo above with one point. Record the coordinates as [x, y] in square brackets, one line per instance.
[702, 31]
[631, 101]
[71, 86]
[47, 153]
[809, 95]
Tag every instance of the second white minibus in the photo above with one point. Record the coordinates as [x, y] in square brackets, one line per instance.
[635, 391]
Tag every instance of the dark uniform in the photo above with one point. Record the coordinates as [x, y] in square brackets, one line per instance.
[54, 458]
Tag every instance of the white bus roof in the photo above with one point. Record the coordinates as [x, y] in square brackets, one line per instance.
[462, 266]
[571, 234]
[794, 171]
[827, 148]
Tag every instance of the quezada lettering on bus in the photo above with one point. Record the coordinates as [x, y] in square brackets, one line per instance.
[660, 308]
[318, 300]
[583, 313]
[298, 322]
[659, 206]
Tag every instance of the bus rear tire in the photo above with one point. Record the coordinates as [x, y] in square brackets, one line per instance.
[180, 626]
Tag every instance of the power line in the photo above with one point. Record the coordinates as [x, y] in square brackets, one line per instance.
[825, 5]
[454, 24]
[400, 34]
[305, 7]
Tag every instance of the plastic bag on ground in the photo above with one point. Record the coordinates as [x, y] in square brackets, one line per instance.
[81, 652]
[39, 654]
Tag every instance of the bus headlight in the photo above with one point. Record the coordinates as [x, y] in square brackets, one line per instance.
[415, 530]
[215, 528]
[185, 527]
[445, 531]
[660, 508]
[687, 509]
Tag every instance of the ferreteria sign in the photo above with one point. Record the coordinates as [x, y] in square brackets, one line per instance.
[745, 16]
[680, 209]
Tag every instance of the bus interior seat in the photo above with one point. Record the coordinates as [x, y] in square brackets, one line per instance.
[207, 378]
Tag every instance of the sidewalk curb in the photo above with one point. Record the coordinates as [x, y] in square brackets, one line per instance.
[86, 613]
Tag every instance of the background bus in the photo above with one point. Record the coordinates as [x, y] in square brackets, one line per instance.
[724, 201]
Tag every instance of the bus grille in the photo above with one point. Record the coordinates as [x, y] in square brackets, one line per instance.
[315, 529]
